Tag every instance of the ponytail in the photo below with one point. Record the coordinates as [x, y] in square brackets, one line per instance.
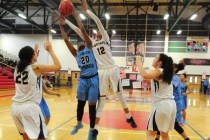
[179, 67]
[25, 54]
[167, 65]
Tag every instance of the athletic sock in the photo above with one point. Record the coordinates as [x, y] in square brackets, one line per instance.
[96, 126]
[128, 115]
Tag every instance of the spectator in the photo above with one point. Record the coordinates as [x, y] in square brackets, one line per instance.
[205, 85]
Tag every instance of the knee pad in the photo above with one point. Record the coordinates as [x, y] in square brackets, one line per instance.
[178, 128]
[80, 109]
[92, 115]
[100, 107]
[122, 99]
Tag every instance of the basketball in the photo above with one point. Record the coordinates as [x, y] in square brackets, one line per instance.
[65, 8]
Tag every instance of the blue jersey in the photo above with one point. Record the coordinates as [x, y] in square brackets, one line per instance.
[177, 88]
[183, 87]
[86, 62]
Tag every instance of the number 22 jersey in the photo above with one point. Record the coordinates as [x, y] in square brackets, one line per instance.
[28, 87]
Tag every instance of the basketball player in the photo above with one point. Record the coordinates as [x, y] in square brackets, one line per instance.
[25, 110]
[184, 87]
[162, 117]
[178, 99]
[88, 87]
[43, 105]
[107, 70]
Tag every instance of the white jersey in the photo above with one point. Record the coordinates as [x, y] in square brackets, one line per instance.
[161, 90]
[103, 54]
[28, 87]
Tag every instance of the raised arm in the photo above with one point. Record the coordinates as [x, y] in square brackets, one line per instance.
[68, 43]
[38, 69]
[103, 32]
[153, 74]
[85, 35]
[50, 92]
[75, 28]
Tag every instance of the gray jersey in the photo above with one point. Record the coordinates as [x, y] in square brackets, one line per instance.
[161, 90]
[28, 87]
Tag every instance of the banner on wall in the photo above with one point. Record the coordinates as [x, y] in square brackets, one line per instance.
[192, 61]
[125, 82]
[132, 76]
[122, 75]
[136, 84]
[197, 44]
[139, 51]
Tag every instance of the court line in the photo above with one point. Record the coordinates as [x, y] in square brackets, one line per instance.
[61, 124]
[195, 131]
[124, 132]
[5, 111]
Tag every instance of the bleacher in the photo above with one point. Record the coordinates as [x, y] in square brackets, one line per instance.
[6, 77]
[6, 71]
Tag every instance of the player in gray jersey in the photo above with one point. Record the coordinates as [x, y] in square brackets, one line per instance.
[25, 111]
[162, 117]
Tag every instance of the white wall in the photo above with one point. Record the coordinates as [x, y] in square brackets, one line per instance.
[13, 43]
[66, 59]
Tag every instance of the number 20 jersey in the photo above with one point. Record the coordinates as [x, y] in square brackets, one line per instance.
[28, 87]
[86, 62]
[103, 54]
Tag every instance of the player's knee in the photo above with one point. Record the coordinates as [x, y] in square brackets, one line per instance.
[122, 99]
[178, 128]
[100, 107]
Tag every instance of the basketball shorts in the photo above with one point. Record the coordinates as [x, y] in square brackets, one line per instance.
[88, 89]
[109, 78]
[184, 102]
[28, 119]
[44, 108]
[162, 117]
[179, 107]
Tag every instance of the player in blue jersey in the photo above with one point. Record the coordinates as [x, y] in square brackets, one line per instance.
[184, 87]
[43, 105]
[88, 87]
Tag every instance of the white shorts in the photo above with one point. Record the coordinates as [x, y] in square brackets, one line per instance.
[28, 119]
[162, 117]
[109, 78]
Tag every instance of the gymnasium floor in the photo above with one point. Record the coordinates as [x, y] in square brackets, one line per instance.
[113, 125]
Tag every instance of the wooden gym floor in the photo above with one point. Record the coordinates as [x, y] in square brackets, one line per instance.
[112, 125]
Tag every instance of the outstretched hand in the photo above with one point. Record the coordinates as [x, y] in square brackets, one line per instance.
[84, 5]
[48, 46]
[138, 61]
[36, 49]
[61, 20]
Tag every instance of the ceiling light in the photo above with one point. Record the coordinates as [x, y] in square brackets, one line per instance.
[158, 32]
[82, 16]
[179, 32]
[53, 31]
[193, 16]
[22, 16]
[107, 16]
[166, 16]
[94, 31]
[113, 31]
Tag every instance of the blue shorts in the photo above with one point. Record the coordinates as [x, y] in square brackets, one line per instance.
[44, 108]
[184, 102]
[179, 107]
[88, 89]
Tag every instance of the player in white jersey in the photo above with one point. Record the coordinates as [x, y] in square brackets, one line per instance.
[162, 117]
[107, 70]
[25, 111]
